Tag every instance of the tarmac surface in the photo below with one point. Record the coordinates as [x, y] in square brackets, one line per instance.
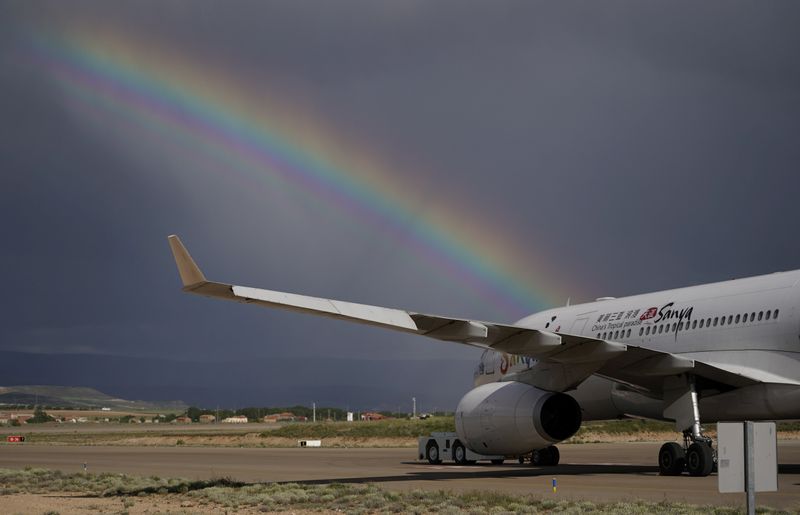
[594, 472]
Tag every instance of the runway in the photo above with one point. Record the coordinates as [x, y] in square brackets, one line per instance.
[595, 472]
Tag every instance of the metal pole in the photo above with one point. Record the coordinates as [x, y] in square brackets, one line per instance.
[313, 411]
[749, 468]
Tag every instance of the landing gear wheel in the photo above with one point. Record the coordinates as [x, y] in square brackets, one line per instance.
[432, 453]
[671, 459]
[460, 453]
[498, 461]
[521, 460]
[699, 459]
[555, 456]
[547, 457]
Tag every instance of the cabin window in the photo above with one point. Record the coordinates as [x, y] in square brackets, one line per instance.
[628, 334]
[760, 315]
[708, 322]
[660, 329]
[641, 331]
[702, 322]
[616, 334]
[647, 330]
[775, 315]
[766, 316]
[716, 319]
[737, 319]
[722, 321]
[752, 316]
[694, 324]
[598, 336]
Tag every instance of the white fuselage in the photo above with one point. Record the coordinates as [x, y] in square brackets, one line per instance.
[748, 326]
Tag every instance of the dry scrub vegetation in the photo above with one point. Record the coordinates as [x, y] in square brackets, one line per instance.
[154, 495]
[384, 433]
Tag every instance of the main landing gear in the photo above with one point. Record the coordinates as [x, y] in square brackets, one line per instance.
[547, 457]
[696, 455]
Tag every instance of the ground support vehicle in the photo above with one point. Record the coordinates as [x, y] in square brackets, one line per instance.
[444, 446]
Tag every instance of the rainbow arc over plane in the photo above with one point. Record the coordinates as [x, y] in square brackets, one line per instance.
[265, 142]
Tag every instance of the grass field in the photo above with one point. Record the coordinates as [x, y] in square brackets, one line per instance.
[391, 428]
[218, 495]
[384, 433]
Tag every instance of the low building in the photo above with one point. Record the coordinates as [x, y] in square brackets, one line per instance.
[236, 419]
[182, 420]
[372, 416]
[284, 417]
[22, 418]
[207, 419]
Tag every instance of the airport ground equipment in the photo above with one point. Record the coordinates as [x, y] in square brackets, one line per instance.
[446, 446]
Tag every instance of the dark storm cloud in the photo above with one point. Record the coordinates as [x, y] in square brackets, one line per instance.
[630, 146]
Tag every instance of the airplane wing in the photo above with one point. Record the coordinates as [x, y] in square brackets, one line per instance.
[565, 360]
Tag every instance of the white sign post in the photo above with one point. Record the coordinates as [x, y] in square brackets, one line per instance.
[747, 459]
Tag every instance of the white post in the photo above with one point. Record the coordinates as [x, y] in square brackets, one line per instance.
[313, 411]
[414, 409]
[749, 468]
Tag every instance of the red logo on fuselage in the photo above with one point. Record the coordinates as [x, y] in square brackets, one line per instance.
[650, 313]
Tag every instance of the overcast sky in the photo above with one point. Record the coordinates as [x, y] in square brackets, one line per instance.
[616, 147]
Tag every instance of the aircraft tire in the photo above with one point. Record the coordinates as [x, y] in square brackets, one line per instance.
[432, 453]
[671, 459]
[460, 453]
[555, 456]
[498, 462]
[699, 459]
[547, 457]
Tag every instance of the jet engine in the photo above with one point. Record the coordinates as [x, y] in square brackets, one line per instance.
[515, 418]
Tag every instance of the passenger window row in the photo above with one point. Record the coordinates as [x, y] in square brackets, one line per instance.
[695, 324]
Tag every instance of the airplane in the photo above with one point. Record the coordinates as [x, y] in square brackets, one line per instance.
[723, 351]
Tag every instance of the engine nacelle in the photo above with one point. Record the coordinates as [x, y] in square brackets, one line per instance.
[515, 418]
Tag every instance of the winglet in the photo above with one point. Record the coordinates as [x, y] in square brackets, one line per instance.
[190, 272]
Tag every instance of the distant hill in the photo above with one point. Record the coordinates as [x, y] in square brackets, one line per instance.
[77, 397]
[357, 384]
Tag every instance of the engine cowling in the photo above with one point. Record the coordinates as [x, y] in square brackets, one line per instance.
[515, 418]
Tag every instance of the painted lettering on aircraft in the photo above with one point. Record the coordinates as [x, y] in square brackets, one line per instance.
[667, 313]
[507, 361]
[631, 318]
[650, 313]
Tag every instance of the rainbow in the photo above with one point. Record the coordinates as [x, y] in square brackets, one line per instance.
[263, 143]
